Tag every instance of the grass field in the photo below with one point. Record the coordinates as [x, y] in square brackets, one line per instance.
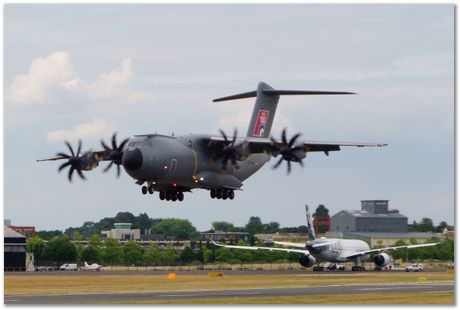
[57, 284]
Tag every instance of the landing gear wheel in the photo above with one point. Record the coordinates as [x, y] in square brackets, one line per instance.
[219, 194]
[231, 194]
[213, 193]
[144, 190]
[224, 195]
[162, 195]
[151, 189]
[180, 196]
[174, 196]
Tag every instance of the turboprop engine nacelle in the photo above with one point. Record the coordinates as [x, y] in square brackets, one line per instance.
[307, 260]
[382, 259]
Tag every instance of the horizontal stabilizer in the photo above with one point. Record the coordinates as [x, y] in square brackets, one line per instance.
[279, 92]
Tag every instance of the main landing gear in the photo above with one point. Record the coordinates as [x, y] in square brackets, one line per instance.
[164, 195]
[222, 193]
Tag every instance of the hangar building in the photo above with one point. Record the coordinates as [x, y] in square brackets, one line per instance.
[374, 216]
[14, 248]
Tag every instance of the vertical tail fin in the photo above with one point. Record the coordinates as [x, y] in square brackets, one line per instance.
[311, 229]
[86, 264]
[265, 107]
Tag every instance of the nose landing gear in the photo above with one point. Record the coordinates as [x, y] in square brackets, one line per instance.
[222, 193]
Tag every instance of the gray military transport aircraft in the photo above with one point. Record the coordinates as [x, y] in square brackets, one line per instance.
[173, 165]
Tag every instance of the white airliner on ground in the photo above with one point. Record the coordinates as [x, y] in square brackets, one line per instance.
[92, 267]
[323, 249]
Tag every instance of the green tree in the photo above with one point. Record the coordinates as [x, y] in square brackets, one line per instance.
[187, 255]
[426, 224]
[321, 210]
[91, 254]
[440, 228]
[169, 255]
[154, 255]
[124, 217]
[133, 253]
[223, 226]
[143, 222]
[35, 245]
[254, 225]
[112, 252]
[271, 227]
[60, 250]
[177, 228]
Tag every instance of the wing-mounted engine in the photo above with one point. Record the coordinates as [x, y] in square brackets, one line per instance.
[114, 154]
[288, 150]
[76, 162]
[86, 161]
[230, 150]
[307, 261]
[382, 259]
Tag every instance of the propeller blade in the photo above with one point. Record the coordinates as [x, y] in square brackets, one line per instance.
[235, 133]
[288, 167]
[108, 167]
[118, 171]
[114, 141]
[122, 145]
[79, 147]
[63, 166]
[70, 148]
[293, 139]
[70, 173]
[81, 174]
[224, 135]
[63, 155]
[106, 148]
[278, 163]
[283, 136]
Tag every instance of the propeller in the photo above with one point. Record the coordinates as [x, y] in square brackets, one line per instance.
[115, 153]
[287, 151]
[74, 161]
[230, 151]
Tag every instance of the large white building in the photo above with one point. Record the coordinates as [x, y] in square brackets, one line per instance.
[122, 231]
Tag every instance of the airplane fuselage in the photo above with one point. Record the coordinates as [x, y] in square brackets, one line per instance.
[338, 250]
[183, 163]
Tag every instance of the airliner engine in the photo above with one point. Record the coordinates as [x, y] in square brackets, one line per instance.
[382, 259]
[307, 260]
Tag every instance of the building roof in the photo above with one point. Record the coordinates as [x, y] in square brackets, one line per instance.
[365, 214]
[10, 233]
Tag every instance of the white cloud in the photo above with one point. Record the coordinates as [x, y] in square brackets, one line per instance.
[96, 128]
[55, 70]
[117, 83]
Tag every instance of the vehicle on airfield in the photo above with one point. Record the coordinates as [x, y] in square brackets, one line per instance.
[173, 165]
[69, 267]
[331, 250]
[414, 267]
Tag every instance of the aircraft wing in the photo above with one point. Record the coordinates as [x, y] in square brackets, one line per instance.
[292, 244]
[265, 145]
[361, 253]
[256, 248]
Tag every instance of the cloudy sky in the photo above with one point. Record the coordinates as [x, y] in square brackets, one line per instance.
[88, 70]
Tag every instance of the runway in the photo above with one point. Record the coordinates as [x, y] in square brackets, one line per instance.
[227, 293]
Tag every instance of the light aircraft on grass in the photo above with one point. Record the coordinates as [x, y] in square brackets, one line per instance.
[173, 165]
[92, 267]
[331, 250]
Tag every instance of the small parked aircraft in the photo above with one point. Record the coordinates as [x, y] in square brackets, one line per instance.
[92, 267]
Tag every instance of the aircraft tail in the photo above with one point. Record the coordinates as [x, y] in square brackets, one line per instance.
[86, 264]
[265, 107]
[310, 228]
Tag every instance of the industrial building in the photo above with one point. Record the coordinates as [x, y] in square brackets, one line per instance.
[374, 216]
[122, 231]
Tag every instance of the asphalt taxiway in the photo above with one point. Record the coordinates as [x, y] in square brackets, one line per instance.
[226, 293]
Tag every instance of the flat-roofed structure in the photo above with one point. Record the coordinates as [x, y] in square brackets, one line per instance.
[14, 249]
[374, 216]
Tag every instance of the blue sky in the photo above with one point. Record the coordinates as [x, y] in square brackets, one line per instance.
[89, 70]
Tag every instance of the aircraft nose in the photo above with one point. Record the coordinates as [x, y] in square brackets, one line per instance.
[132, 159]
